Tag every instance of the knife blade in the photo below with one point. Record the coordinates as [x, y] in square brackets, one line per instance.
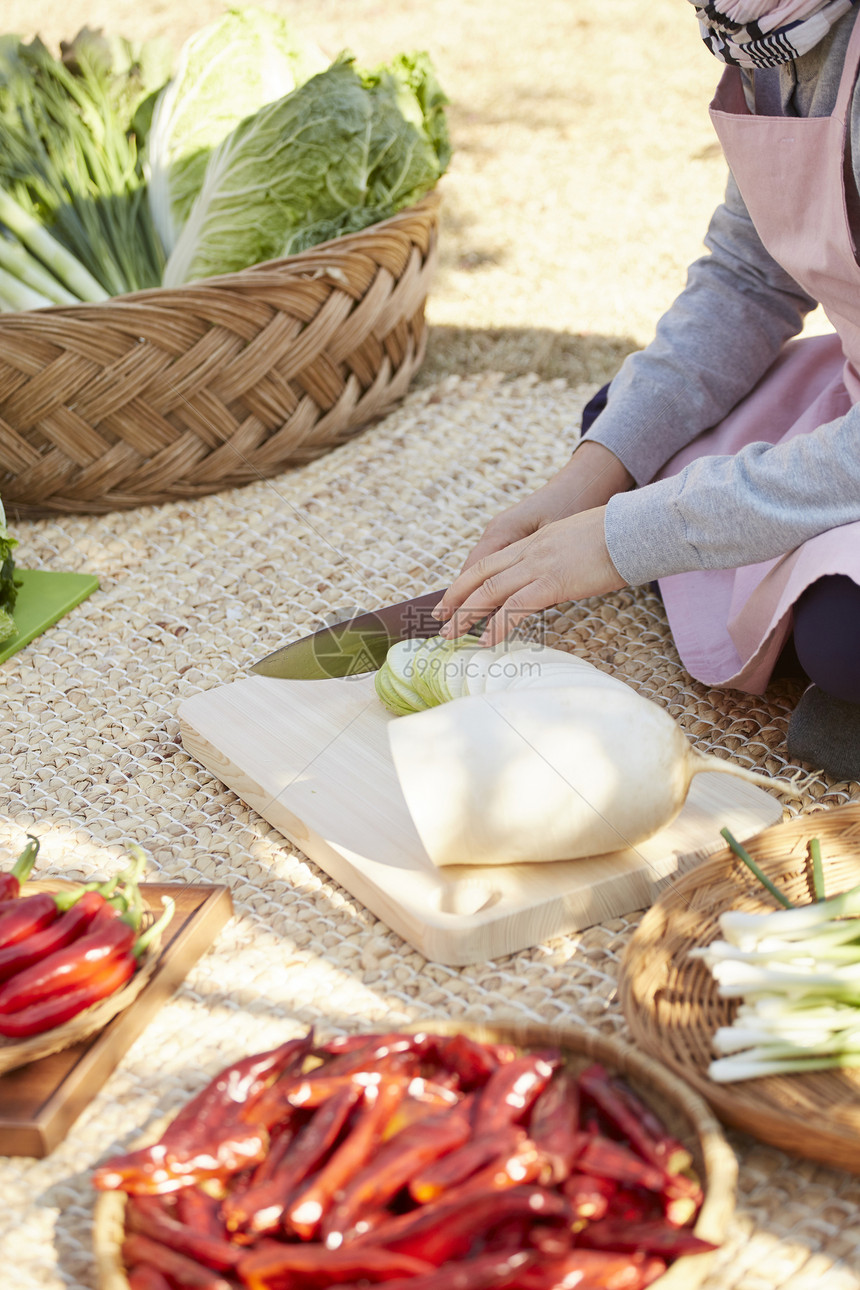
[354, 646]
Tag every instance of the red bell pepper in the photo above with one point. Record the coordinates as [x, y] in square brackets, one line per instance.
[11, 880]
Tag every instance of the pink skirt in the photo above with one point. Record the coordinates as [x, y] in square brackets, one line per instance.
[730, 625]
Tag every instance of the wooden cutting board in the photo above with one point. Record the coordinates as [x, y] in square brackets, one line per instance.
[312, 758]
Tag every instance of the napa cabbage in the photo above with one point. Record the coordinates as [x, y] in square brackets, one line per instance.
[225, 72]
[340, 152]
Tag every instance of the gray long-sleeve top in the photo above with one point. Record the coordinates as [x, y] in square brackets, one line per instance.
[712, 346]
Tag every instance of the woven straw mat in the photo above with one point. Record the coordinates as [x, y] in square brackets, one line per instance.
[191, 594]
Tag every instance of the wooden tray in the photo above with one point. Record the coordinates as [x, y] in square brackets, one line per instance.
[40, 1102]
[312, 757]
[671, 1002]
[681, 1110]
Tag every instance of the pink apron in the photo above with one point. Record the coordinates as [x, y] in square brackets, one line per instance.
[730, 625]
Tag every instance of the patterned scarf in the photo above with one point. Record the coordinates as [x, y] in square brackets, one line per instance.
[764, 33]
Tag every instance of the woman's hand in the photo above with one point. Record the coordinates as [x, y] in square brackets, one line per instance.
[589, 479]
[564, 560]
[547, 549]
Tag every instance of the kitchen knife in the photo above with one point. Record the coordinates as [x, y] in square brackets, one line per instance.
[354, 646]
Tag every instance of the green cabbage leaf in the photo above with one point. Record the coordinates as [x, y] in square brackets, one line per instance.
[225, 72]
[8, 585]
[342, 151]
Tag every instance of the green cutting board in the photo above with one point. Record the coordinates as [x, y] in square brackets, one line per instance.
[43, 598]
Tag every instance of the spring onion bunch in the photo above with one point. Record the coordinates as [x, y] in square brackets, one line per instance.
[74, 220]
[797, 974]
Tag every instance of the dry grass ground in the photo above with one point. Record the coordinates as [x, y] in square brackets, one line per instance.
[584, 169]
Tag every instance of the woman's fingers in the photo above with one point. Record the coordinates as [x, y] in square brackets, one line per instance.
[567, 560]
[475, 593]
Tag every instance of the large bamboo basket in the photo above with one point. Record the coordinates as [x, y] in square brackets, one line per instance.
[171, 394]
[682, 1111]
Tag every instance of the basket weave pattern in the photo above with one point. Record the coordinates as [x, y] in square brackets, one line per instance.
[174, 393]
[673, 1008]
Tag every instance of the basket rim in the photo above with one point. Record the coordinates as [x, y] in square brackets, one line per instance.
[718, 1159]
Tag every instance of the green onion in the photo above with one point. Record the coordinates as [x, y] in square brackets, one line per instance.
[751, 864]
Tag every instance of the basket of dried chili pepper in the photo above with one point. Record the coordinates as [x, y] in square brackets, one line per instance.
[447, 1158]
[72, 955]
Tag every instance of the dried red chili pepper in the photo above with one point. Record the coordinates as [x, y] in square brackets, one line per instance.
[448, 1228]
[523, 1164]
[143, 1276]
[309, 1205]
[260, 1208]
[646, 1238]
[511, 1090]
[589, 1196]
[279, 1263]
[628, 1116]
[592, 1270]
[198, 1210]
[455, 1167]
[214, 1252]
[499, 1271]
[554, 1125]
[373, 1186]
[610, 1159]
[232, 1094]
[207, 1139]
[180, 1269]
[12, 879]
[472, 1062]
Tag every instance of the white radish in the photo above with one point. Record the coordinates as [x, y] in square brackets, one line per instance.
[546, 774]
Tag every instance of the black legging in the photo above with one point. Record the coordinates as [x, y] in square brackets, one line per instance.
[826, 616]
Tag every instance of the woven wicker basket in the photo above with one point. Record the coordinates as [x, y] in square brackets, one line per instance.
[174, 393]
[681, 1110]
[673, 1008]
